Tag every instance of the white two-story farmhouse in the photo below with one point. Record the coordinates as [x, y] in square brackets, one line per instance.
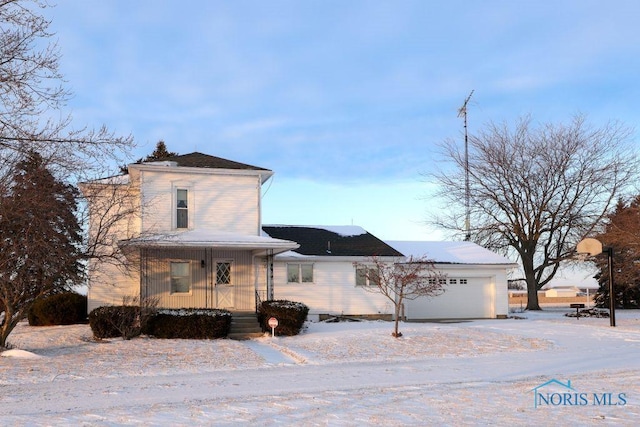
[190, 235]
[193, 239]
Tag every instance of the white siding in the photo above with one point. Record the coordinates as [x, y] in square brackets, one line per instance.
[473, 300]
[203, 294]
[502, 292]
[333, 290]
[113, 217]
[228, 203]
[485, 295]
[109, 286]
[217, 202]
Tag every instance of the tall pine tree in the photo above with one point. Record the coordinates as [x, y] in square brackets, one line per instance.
[40, 240]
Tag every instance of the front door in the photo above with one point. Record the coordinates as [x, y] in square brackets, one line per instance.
[223, 289]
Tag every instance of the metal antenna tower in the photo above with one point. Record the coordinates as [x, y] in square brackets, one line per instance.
[462, 112]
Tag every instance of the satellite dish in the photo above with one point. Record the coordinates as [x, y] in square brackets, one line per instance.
[589, 246]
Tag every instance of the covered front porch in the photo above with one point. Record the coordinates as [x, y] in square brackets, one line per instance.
[203, 270]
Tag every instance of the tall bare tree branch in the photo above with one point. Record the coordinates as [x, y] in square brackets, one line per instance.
[535, 191]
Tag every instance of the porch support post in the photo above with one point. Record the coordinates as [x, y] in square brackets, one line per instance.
[270, 293]
[144, 283]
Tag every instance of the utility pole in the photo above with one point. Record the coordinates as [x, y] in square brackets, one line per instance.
[462, 112]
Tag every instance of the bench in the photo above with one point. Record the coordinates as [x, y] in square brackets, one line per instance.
[577, 307]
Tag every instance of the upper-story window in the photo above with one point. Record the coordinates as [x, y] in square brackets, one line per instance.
[182, 208]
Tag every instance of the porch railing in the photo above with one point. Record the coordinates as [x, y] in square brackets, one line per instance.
[260, 296]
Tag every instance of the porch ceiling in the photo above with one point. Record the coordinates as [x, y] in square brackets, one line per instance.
[259, 245]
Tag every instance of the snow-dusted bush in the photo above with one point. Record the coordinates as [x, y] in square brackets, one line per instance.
[291, 316]
[66, 308]
[189, 323]
[115, 321]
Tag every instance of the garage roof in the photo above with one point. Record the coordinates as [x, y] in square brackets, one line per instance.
[449, 252]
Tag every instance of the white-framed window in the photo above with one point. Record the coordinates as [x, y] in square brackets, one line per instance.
[180, 272]
[182, 208]
[367, 276]
[223, 273]
[453, 281]
[299, 273]
[463, 281]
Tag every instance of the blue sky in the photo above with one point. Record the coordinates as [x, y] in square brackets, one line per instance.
[345, 101]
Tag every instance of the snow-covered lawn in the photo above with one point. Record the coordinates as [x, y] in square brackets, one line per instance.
[468, 373]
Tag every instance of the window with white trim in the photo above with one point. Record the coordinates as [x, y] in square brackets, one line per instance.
[463, 281]
[180, 272]
[182, 208]
[299, 273]
[367, 276]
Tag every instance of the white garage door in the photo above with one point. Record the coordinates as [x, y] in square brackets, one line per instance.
[471, 300]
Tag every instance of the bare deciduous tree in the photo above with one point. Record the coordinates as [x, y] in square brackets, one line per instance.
[112, 208]
[535, 191]
[32, 121]
[401, 280]
[32, 97]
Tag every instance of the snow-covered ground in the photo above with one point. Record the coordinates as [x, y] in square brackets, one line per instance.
[343, 374]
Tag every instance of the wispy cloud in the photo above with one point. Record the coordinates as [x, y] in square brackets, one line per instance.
[338, 90]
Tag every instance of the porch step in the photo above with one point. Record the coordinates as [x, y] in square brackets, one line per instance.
[244, 326]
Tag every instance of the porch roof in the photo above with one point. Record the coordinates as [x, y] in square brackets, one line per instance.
[260, 245]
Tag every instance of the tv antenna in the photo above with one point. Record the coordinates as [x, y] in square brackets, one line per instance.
[462, 112]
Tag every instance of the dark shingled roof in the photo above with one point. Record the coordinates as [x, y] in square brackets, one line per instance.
[321, 242]
[199, 160]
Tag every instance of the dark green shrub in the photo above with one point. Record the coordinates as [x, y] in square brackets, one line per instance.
[291, 316]
[115, 321]
[66, 308]
[189, 323]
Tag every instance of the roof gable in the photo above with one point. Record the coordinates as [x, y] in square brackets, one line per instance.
[200, 160]
[332, 241]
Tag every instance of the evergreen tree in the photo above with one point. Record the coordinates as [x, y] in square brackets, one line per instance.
[622, 233]
[40, 240]
[160, 153]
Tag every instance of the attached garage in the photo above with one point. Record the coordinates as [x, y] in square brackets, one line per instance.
[468, 298]
[476, 281]
[322, 274]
